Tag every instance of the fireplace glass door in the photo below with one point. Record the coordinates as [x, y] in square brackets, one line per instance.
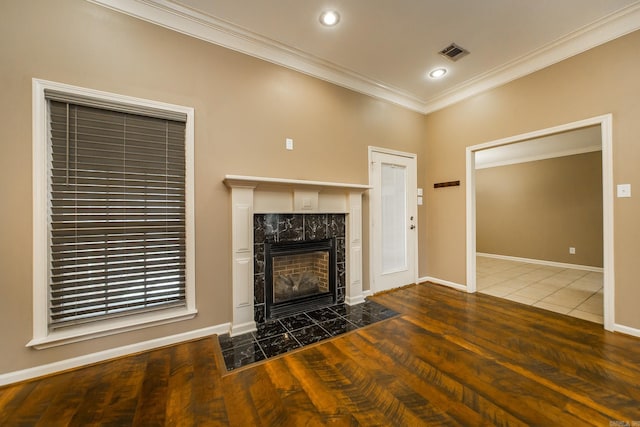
[299, 275]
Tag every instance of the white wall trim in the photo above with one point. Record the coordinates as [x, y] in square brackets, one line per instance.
[258, 182]
[101, 356]
[243, 328]
[355, 300]
[442, 282]
[111, 327]
[605, 123]
[187, 21]
[550, 155]
[626, 330]
[42, 337]
[542, 262]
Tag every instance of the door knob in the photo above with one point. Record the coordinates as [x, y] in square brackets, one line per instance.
[412, 227]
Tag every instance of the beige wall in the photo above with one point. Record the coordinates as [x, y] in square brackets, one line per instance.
[600, 81]
[537, 210]
[244, 110]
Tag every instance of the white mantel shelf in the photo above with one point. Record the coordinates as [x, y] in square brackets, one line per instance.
[260, 195]
[260, 181]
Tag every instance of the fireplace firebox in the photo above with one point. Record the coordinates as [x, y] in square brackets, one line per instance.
[299, 276]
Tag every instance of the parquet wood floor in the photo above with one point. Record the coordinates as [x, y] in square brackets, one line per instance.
[450, 358]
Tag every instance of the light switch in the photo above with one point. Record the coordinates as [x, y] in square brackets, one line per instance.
[419, 200]
[419, 191]
[288, 143]
[624, 190]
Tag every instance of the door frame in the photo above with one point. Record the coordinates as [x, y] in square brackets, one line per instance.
[411, 194]
[605, 122]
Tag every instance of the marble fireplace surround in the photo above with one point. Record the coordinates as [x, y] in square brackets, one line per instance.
[260, 195]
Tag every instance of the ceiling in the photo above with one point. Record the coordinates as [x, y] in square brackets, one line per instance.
[385, 48]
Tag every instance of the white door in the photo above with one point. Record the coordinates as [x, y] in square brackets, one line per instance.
[393, 217]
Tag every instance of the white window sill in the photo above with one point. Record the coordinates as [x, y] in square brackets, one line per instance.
[110, 327]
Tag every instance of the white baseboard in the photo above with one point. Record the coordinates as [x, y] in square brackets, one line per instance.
[355, 300]
[443, 282]
[542, 262]
[243, 328]
[626, 330]
[367, 293]
[101, 356]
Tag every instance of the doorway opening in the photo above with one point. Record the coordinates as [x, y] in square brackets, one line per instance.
[478, 155]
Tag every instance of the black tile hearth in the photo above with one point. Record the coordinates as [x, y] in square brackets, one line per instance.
[297, 321]
[279, 336]
[243, 354]
[322, 314]
[269, 329]
[278, 344]
[338, 326]
[311, 334]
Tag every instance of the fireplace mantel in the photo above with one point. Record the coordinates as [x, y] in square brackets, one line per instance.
[265, 182]
[257, 195]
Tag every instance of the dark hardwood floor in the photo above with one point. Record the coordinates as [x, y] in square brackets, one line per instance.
[449, 359]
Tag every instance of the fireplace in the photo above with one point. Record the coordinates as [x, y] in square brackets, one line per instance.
[301, 236]
[268, 211]
[299, 276]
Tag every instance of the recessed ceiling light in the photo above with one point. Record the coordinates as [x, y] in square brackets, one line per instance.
[329, 18]
[437, 73]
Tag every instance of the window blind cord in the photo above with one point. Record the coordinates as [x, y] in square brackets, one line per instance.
[75, 176]
[166, 176]
[123, 196]
[68, 130]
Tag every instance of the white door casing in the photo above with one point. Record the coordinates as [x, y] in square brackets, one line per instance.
[393, 218]
[605, 122]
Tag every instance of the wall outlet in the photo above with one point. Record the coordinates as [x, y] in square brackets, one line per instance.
[572, 251]
[624, 190]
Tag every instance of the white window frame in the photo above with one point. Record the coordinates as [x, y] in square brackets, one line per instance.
[42, 336]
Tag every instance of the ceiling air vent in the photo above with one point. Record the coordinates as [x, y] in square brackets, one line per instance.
[454, 52]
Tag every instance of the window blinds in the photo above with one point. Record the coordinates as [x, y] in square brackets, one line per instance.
[117, 212]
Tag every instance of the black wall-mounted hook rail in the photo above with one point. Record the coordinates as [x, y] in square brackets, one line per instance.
[446, 184]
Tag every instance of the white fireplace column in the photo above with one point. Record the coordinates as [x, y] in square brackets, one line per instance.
[251, 195]
[242, 253]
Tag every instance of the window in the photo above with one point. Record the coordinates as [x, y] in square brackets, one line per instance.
[113, 180]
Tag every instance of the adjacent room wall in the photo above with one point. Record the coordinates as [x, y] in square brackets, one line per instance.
[539, 209]
[600, 81]
[244, 110]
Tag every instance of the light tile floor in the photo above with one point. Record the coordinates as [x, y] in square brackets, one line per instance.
[577, 293]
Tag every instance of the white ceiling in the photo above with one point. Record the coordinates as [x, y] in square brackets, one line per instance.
[385, 48]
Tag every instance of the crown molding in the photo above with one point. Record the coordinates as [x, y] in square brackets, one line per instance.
[204, 27]
[190, 22]
[608, 28]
